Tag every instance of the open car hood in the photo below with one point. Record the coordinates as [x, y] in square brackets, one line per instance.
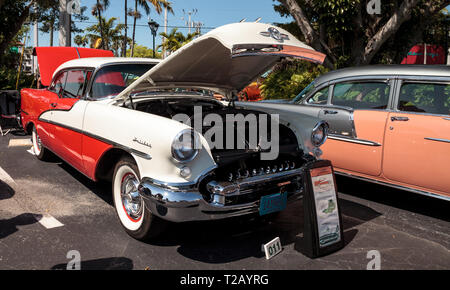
[50, 58]
[224, 60]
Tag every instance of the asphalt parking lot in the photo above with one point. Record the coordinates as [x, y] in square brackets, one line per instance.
[48, 209]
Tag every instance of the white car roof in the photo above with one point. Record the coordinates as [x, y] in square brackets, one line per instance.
[96, 62]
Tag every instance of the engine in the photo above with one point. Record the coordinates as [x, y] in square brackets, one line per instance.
[241, 173]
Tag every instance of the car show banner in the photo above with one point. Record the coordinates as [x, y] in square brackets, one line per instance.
[323, 232]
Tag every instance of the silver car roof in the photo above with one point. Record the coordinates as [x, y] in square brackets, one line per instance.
[385, 70]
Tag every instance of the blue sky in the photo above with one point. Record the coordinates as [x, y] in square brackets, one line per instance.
[212, 13]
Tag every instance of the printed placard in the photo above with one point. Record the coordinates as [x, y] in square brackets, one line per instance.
[326, 206]
[272, 248]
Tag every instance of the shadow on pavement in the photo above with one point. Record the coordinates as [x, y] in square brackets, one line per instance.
[231, 240]
[101, 189]
[400, 199]
[117, 263]
[9, 227]
[6, 191]
[225, 241]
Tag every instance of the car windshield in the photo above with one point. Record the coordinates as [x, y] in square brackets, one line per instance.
[304, 93]
[113, 79]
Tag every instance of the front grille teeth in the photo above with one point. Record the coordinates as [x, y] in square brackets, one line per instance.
[258, 171]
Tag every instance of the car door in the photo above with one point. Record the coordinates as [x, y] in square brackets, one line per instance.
[47, 104]
[417, 150]
[67, 118]
[357, 116]
[315, 101]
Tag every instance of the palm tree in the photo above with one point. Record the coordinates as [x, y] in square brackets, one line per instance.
[125, 36]
[170, 42]
[112, 34]
[157, 4]
[175, 40]
[81, 40]
[97, 10]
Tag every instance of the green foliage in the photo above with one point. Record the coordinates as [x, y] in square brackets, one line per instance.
[8, 79]
[9, 64]
[345, 27]
[289, 78]
[175, 40]
[112, 35]
[143, 51]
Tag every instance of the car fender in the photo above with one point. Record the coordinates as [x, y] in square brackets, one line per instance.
[148, 138]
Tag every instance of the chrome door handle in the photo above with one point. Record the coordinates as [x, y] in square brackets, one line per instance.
[330, 112]
[402, 119]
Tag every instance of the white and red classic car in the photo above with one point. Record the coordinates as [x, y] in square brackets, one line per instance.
[115, 119]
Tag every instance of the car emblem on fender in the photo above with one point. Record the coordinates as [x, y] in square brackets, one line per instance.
[144, 143]
[275, 34]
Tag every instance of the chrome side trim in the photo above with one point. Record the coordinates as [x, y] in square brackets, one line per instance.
[438, 140]
[447, 119]
[421, 192]
[356, 141]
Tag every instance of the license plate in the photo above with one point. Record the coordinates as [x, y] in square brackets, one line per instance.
[272, 203]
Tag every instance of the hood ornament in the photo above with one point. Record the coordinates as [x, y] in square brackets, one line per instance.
[275, 34]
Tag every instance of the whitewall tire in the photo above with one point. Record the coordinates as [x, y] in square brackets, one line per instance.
[39, 150]
[135, 218]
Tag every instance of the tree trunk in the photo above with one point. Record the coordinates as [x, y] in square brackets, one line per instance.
[99, 13]
[125, 37]
[311, 37]
[402, 14]
[51, 33]
[134, 27]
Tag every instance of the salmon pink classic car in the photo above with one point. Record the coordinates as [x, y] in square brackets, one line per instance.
[388, 124]
[128, 121]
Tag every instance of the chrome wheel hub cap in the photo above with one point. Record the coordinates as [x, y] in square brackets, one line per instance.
[131, 200]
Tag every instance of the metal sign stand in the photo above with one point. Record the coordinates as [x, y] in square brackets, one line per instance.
[323, 232]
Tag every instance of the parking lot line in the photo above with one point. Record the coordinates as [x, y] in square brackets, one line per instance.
[5, 177]
[19, 142]
[48, 221]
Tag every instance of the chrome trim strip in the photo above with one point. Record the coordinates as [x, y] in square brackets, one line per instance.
[438, 140]
[78, 53]
[447, 119]
[421, 192]
[356, 141]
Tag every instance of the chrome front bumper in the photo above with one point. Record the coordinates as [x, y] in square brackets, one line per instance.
[180, 203]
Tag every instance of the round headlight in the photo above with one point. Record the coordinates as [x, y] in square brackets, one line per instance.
[319, 134]
[184, 146]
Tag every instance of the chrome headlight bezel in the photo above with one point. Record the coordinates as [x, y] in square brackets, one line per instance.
[323, 127]
[177, 155]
